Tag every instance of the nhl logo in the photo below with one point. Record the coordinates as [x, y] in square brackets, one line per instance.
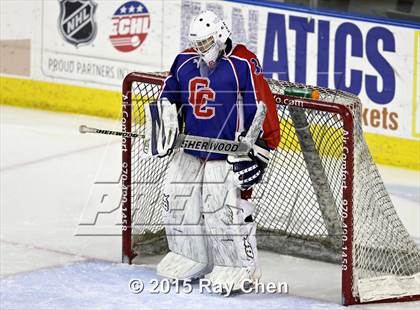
[76, 22]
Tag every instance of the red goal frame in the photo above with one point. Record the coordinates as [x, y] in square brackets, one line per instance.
[347, 190]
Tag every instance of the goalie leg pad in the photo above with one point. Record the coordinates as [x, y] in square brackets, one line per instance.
[230, 229]
[182, 217]
[230, 279]
[180, 267]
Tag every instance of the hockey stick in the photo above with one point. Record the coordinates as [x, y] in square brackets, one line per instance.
[198, 143]
[86, 129]
[188, 142]
[226, 146]
[256, 125]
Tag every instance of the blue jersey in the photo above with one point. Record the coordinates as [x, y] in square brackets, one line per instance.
[223, 102]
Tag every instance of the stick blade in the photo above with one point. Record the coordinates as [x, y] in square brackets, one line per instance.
[256, 126]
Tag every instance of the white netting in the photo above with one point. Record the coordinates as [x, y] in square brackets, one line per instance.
[381, 243]
[300, 199]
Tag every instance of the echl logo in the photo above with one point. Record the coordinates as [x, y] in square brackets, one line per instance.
[130, 25]
[76, 22]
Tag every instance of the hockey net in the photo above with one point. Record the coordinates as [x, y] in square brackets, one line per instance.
[321, 197]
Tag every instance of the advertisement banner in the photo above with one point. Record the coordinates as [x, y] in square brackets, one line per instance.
[375, 60]
[98, 42]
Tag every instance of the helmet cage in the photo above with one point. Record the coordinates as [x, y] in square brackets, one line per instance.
[204, 45]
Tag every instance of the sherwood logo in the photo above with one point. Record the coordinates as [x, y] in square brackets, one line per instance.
[209, 146]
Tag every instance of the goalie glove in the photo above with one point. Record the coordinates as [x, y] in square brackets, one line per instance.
[246, 172]
[249, 169]
[262, 153]
[161, 128]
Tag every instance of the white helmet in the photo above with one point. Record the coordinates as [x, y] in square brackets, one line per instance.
[208, 35]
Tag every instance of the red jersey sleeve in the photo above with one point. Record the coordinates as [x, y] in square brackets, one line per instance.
[271, 128]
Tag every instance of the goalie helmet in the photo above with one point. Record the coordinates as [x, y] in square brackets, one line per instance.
[208, 35]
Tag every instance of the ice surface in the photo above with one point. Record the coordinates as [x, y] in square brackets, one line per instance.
[52, 177]
[103, 285]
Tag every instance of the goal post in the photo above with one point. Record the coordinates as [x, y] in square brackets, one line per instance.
[321, 196]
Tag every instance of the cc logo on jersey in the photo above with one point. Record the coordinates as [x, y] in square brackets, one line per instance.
[200, 93]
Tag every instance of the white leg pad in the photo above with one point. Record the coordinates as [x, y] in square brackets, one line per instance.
[179, 267]
[232, 277]
[182, 216]
[230, 231]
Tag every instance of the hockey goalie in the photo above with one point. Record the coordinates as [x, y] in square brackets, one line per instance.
[214, 90]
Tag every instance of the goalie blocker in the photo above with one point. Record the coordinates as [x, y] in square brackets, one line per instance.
[161, 129]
